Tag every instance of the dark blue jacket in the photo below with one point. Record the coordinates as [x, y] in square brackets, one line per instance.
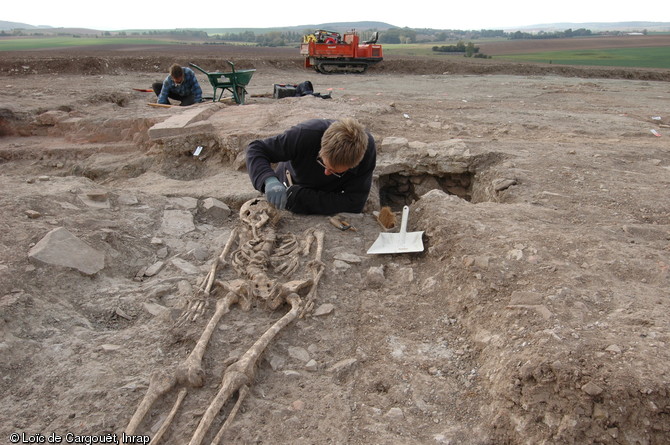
[313, 191]
[189, 86]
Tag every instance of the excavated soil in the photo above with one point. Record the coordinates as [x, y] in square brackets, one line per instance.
[538, 311]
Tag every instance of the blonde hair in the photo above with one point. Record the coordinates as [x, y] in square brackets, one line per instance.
[344, 143]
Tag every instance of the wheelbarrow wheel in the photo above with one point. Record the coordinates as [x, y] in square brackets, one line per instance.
[241, 94]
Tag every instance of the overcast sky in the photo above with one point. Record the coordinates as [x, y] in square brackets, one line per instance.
[484, 14]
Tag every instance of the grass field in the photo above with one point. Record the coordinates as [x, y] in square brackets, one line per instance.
[640, 57]
[650, 57]
[26, 44]
[643, 57]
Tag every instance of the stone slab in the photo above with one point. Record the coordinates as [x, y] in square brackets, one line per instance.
[61, 248]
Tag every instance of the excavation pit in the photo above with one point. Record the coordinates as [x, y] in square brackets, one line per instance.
[399, 189]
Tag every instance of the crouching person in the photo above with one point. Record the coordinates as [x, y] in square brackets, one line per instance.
[180, 85]
[323, 167]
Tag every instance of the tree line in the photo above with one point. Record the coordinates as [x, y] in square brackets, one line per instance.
[272, 38]
[568, 33]
[468, 50]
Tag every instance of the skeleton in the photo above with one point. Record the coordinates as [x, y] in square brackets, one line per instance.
[261, 251]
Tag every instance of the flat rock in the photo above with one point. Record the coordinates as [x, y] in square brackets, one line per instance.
[343, 365]
[185, 266]
[312, 365]
[215, 209]
[61, 248]
[184, 202]
[592, 389]
[155, 309]
[341, 265]
[177, 222]
[395, 413]
[94, 201]
[324, 309]
[299, 353]
[391, 144]
[348, 258]
[374, 277]
[154, 269]
[128, 199]
[185, 121]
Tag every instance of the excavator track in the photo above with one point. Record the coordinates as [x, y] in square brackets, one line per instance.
[339, 67]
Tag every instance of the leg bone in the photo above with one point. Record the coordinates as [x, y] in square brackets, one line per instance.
[168, 420]
[159, 384]
[317, 267]
[241, 394]
[241, 373]
[190, 371]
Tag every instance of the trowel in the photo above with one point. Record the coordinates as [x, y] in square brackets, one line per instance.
[402, 242]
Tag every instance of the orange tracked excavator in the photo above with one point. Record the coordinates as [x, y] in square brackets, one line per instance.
[331, 52]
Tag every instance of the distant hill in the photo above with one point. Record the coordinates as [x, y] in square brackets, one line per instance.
[597, 26]
[370, 25]
[7, 26]
[47, 30]
[334, 26]
[345, 26]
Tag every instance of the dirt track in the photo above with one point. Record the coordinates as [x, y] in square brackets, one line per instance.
[538, 312]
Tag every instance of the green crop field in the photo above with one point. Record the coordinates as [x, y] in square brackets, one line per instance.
[650, 57]
[645, 57]
[65, 42]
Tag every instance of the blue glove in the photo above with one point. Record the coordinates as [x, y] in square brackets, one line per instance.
[275, 192]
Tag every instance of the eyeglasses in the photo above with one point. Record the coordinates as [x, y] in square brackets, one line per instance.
[321, 163]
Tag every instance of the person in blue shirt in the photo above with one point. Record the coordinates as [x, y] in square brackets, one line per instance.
[180, 85]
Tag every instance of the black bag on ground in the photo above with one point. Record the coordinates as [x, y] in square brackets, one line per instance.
[283, 90]
[304, 88]
[300, 89]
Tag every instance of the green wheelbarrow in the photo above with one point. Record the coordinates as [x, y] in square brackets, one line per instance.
[234, 81]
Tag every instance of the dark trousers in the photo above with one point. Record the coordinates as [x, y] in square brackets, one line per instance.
[184, 100]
